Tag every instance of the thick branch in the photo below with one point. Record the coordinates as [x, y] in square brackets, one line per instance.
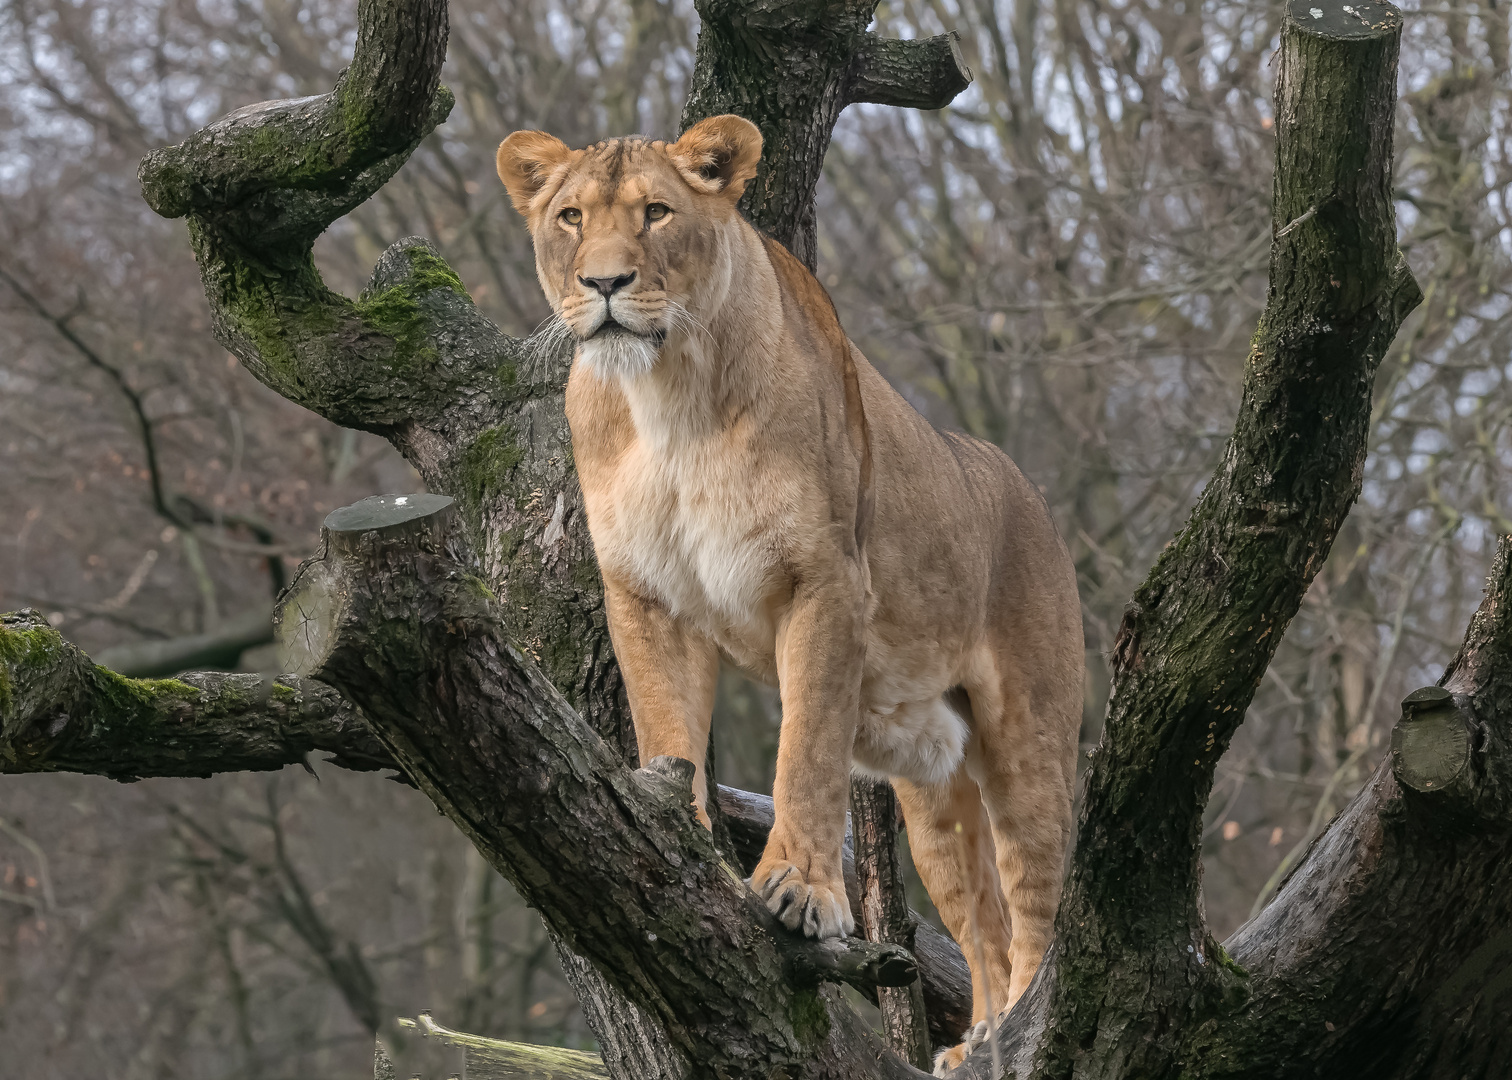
[1202, 628]
[1131, 940]
[1396, 930]
[613, 860]
[258, 187]
[61, 713]
[921, 74]
[291, 164]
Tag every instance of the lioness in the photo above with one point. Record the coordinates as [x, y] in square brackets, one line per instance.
[756, 490]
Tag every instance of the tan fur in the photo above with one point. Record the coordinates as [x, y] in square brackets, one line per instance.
[756, 490]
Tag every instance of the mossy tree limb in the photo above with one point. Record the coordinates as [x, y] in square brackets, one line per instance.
[1135, 983]
[61, 713]
[1202, 628]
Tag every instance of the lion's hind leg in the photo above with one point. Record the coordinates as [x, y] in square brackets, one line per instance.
[950, 839]
[1025, 765]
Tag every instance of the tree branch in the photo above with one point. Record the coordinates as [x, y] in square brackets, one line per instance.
[927, 73]
[1203, 627]
[1201, 630]
[261, 184]
[391, 616]
[1373, 931]
[61, 713]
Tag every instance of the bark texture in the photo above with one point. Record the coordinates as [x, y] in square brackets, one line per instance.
[884, 915]
[1391, 944]
[59, 712]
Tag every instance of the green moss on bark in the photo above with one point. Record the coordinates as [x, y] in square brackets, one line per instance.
[483, 470]
[29, 652]
[137, 703]
[396, 313]
[809, 1017]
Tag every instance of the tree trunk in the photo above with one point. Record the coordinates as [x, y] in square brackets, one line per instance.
[790, 66]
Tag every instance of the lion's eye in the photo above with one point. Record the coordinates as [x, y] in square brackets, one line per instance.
[572, 216]
[656, 211]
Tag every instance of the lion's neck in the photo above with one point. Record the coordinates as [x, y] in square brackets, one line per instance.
[716, 372]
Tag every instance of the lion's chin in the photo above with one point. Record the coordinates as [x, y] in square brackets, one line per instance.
[619, 353]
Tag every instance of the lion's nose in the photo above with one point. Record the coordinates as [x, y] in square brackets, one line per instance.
[607, 285]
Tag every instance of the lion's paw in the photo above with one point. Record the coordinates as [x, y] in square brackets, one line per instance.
[975, 1036]
[817, 908]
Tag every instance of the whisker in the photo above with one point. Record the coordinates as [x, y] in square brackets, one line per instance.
[549, 335]
[683, 319]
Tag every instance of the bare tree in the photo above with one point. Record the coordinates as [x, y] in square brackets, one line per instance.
[488, 677]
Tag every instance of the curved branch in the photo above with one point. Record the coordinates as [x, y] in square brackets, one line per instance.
[1203, 627]
[1395, 928]
[258, 187]
[293, 167]
[1131, 938]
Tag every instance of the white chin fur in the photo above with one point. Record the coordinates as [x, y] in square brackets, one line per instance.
[618, 354]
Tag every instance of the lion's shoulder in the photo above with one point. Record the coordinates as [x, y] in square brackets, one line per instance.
[812, 318]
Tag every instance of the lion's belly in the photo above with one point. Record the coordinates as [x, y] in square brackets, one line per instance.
[690, 537]
[906, 728]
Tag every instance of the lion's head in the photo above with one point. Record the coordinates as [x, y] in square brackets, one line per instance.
[630, 235]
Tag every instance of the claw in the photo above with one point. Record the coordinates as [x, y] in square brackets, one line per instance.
[947, 1060]
[816, 910]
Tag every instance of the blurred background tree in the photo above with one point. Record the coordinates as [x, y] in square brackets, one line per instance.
[1067, 261]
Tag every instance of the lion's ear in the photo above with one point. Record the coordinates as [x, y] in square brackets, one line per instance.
[525, 162]
[718, 155]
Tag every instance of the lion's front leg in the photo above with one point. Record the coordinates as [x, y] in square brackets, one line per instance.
[671, 673]
[820, 650]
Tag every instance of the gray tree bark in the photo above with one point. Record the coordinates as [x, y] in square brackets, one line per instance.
[472, 636]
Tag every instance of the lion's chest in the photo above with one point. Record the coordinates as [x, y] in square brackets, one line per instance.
[691, 527]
